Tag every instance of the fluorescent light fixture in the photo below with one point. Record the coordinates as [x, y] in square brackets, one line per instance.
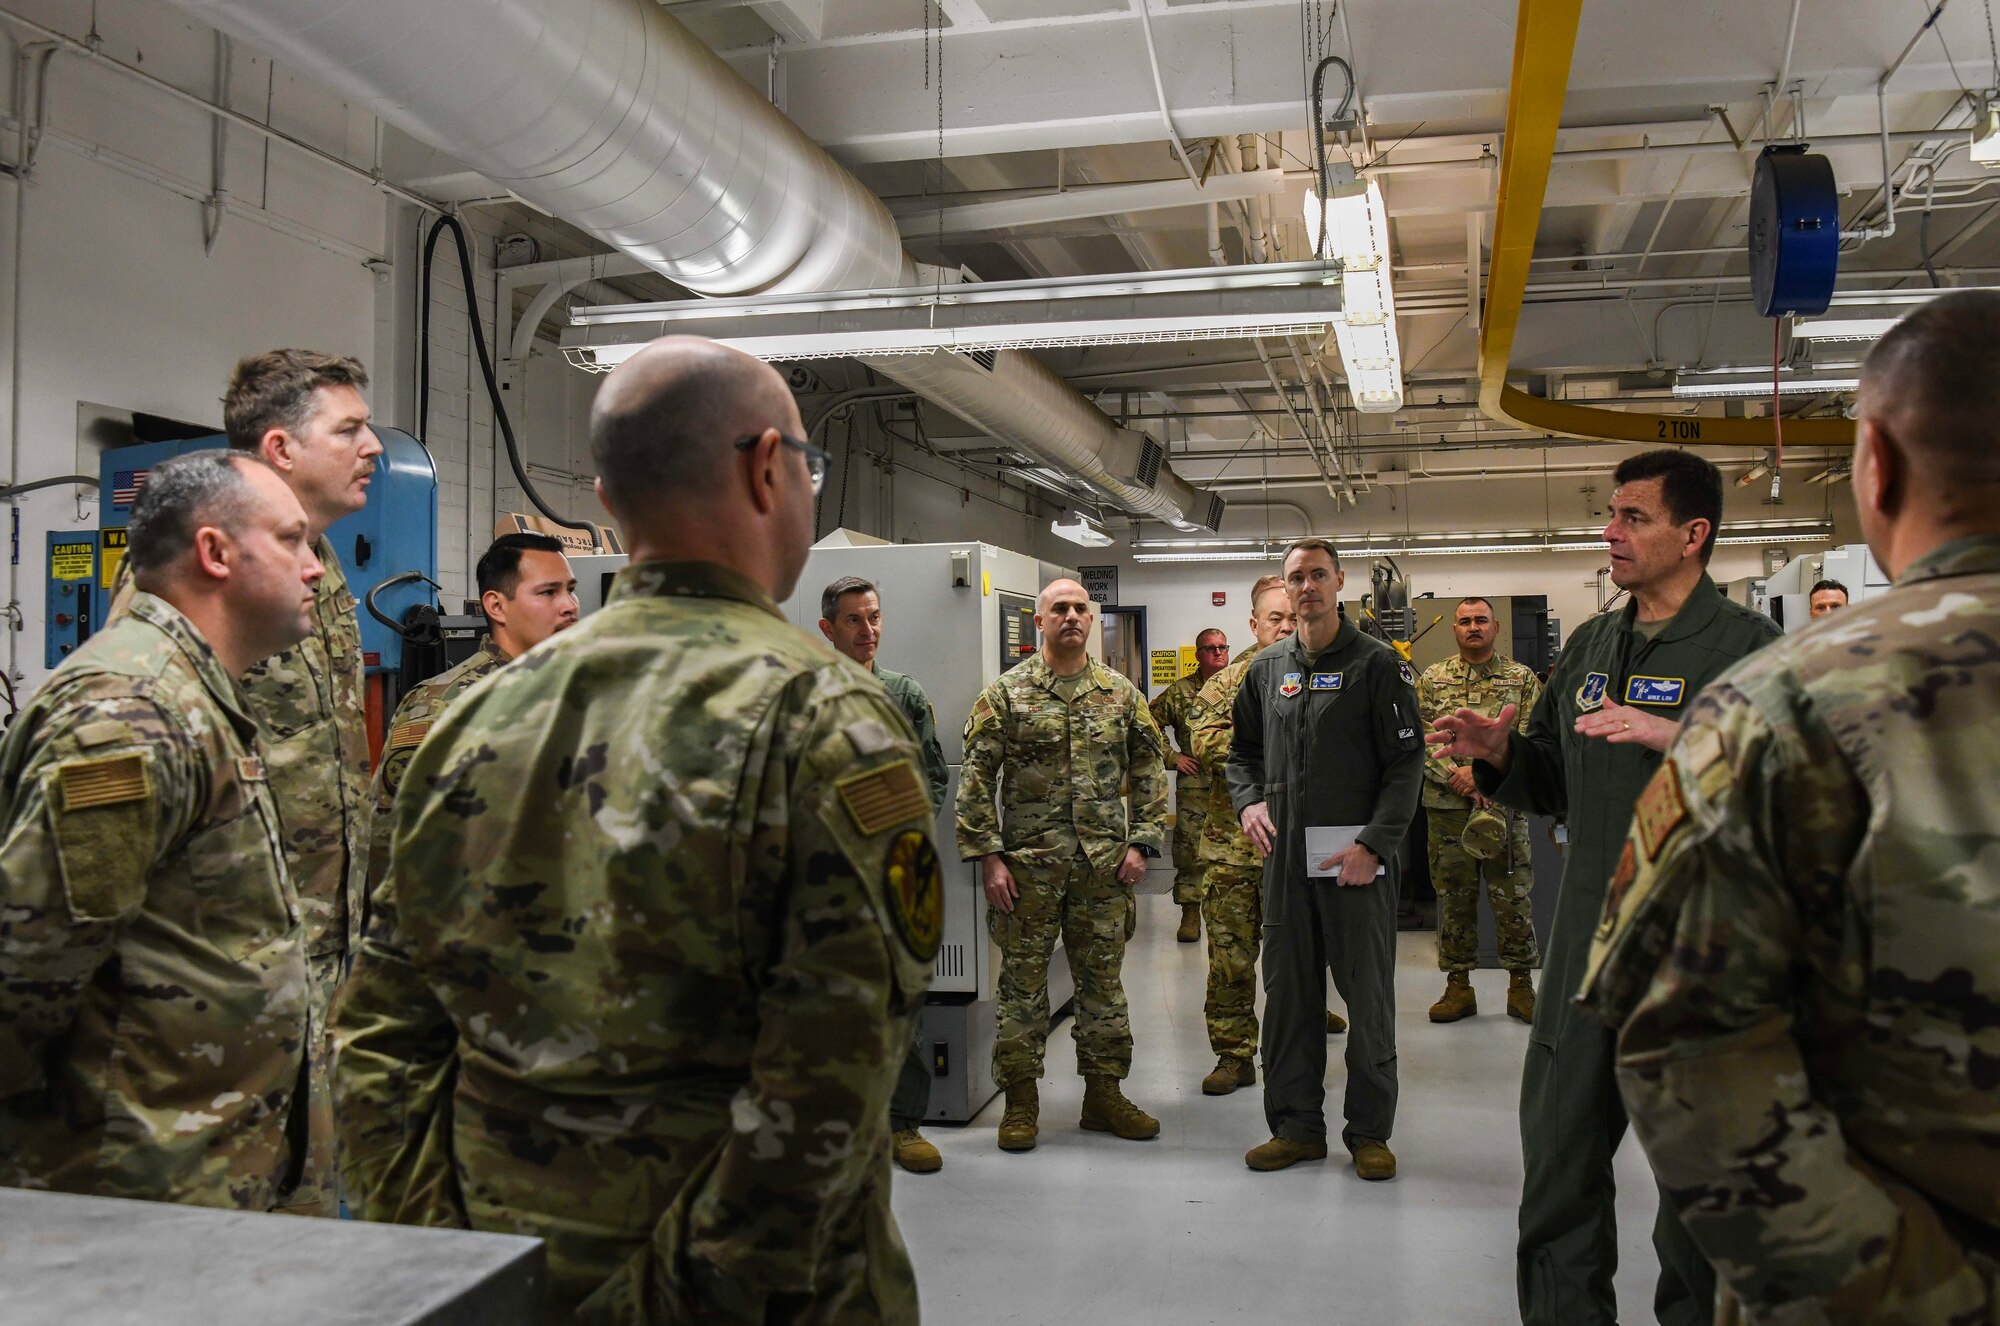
[1750, 386]
[1355, 222]
[1832, 474]
[1080, 530]
[1986, 140]
[1461, 543]
[1842, 329]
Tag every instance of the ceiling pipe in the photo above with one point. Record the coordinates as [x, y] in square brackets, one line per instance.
[613, 116]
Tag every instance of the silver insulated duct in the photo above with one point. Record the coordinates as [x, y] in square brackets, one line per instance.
[613, 116]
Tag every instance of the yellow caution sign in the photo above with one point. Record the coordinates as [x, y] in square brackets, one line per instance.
[1166, 667]
[72, 561]
[114, 554]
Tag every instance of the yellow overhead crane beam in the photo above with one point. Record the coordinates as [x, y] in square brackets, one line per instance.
[1544, 42]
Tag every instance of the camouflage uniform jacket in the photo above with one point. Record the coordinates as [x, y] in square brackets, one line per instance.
[154, 1006]
[916, 706]
[662, 907]
[1223, 841]
[1058, 770]
[416, 712]
[312, 703]
[1802, 947]
[1174, 710]
[1486, 687]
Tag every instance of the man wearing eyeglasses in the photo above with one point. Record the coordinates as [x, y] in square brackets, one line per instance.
[662, 910]
[1174, 711]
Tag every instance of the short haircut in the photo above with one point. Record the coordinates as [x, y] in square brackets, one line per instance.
[1829, 584]
[1936, 377]
[500, 565]
[1200, 636]
[275, 390]
[1263, 585]
[1474, 598]
[1324, 545]
[669, 439]
[830, 597]
[1690, 487]
[180, 496]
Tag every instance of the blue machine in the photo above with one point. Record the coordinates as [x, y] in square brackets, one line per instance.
[395, 533]
[71, 612]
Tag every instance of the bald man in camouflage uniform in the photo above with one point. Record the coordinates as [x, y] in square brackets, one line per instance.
[1174, 710]
[154, 1000]
[662, 905]
[1800, 946]
[1049, 748]
[1478, 678]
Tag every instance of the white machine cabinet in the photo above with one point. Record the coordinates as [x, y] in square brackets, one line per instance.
[954, 616]
[1789, 589]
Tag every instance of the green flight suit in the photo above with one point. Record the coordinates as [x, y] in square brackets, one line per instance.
[1330, 739]
[912, 1100]
[1571, 1117]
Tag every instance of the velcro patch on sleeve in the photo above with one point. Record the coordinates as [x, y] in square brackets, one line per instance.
[1614, 894]
[1660, 810]
[103, 733]
[915, 888]
[110, 781]
[869, 736]
[408, 736]
[885, 797]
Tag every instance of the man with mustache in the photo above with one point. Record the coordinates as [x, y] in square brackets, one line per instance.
[1049, 749]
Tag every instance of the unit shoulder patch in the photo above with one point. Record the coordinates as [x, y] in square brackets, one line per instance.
[1408, 674]
[1590, 695]
[1660, 810]
[1291, 684]
[883, 798]
[915, 888]
[1614, 894]
[109, 781]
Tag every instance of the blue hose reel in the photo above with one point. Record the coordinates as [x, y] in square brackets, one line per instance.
[1794, 232]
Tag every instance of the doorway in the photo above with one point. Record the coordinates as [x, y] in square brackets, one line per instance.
[1125, 644]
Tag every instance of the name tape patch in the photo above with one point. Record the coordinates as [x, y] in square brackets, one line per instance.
[884, 797]
[1327, 681]
[1655, 690]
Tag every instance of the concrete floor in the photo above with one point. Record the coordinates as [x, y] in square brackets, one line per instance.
[1087, 1228]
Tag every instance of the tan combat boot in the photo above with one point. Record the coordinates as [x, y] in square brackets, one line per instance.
[914, 1152]
[1021, 1124]
[1228, 1075]
[1105, 1110]
[1190, 929]
[1458, 1000]
[1521, 996]
[1335, 1023]
[1283, 1153]
[1374, 1161]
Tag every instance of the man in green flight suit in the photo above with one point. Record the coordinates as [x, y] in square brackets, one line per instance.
[662, 904]
[1613, 705]
[1469, 835]
[1326, 736]
[155, 1010]
[1801, 942]
[1173, 709]
[1050, 749]
[528, 593]
[850, 617]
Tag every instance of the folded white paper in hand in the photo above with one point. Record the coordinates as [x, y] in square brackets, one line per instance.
[1325, 842]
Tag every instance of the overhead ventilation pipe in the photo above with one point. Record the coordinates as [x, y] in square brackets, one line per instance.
[613, 116]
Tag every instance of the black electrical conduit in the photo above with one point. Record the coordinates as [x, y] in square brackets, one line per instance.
[449, 222]
[36, 484]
